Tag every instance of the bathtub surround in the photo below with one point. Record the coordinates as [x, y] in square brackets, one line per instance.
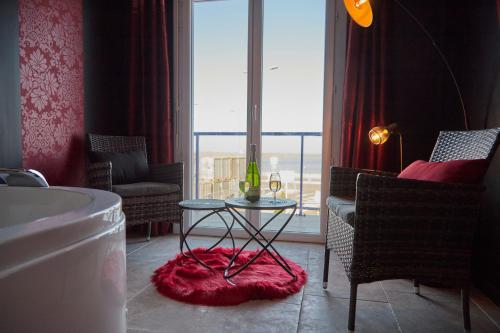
[62, 260]
[51, 77]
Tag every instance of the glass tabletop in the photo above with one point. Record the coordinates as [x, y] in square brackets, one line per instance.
[262, 204]
[202, 204]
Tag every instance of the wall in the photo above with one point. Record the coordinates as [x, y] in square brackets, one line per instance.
[423, 100]
[416, 81]
[10, 118]
[51, 77]
[475, 37]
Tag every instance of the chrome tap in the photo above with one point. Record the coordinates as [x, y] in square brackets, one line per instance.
[22, 177]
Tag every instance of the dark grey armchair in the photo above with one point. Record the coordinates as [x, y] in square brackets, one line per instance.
[383, 227]
[154, 198]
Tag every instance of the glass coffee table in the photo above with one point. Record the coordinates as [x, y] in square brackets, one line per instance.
[213, 207]
[255, 233]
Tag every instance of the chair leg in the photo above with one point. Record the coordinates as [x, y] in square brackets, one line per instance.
[416, 287]
[148, 236]
[352, 307]
[326, 267]
[466, 309]
[181, 234]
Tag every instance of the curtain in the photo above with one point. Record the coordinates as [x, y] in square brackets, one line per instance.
[498, 12]
[365, 90]
[150, 112]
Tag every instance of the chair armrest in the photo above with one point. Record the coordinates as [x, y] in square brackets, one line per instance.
[167, 173]
[343, 180]
[404, 227]
[99, 175]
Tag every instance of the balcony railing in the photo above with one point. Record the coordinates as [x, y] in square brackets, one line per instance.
[302, 135]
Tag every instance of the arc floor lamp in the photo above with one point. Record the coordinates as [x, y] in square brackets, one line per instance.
[361, 12]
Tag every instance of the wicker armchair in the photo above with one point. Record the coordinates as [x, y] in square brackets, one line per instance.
[383, 227]
[154, 199]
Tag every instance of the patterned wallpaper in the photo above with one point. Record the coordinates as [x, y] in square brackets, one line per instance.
[51, 61]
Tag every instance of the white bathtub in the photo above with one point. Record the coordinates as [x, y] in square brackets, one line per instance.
[62, 260]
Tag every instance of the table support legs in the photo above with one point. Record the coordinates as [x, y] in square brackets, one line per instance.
[190, 253]
[265, 243]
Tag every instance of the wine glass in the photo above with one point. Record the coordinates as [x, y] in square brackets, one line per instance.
[244, 187]
[275, 183]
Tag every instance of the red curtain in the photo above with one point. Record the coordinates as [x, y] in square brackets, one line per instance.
[498, 12]
[150, 112]
[364, 99]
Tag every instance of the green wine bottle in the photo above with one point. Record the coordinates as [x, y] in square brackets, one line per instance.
[253, 177]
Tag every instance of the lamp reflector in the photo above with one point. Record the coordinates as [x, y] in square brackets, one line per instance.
[360, 11]
[379, 135]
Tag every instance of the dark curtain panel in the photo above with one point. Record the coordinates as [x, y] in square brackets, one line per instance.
[150, 112]
[498, 12]
[365, 89]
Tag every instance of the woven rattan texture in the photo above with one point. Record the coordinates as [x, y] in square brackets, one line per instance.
[157, 208]
[414, 229]
[339, 238]
[119, 144]
[408, 228]
[99, 175]
[170, 173]
[343, 180]
[139, 209]
[465, 145]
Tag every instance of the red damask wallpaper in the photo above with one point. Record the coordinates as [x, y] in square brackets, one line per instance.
[51, 60]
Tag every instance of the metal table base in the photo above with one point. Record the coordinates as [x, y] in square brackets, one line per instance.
[264, 242]
[216, 210]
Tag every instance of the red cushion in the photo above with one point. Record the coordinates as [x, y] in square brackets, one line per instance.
[459, 171]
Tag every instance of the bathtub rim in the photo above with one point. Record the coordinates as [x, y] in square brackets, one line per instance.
[100, 202]
[27, 242]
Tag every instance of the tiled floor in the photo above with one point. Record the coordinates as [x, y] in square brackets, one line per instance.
[388, 306]
[299, 223]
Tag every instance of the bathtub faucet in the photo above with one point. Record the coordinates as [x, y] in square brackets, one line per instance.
[22, 177]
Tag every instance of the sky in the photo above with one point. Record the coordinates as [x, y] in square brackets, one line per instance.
[293, 64]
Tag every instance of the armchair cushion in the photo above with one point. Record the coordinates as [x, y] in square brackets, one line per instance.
[456, 171]
[144, 189]
[343, 207]
[127, 167]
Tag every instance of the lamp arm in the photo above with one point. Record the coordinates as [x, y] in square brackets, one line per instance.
[441, 55]
[400, 152]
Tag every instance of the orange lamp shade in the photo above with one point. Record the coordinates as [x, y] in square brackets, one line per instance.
[360, 11]
[379, 135]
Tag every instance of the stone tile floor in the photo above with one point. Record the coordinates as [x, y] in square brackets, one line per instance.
[388, 306]
[299, 223]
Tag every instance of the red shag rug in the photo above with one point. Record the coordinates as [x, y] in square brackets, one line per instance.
[185, 280]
